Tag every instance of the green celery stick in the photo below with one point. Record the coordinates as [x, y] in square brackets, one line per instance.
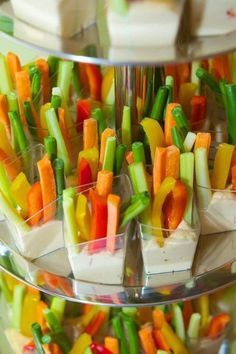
[55, 131]
[5, 83]
[37, 336]
[32, 69]
[36, 85]
[136, 208]
[75, 82]
[12, 215]
[58, 166]
[138, 177]
[50, 145]
[138, 151]
[29, 117]
[56, 91]
[70, 220]
[119, 159]
[120, 7]
[58, 307]
[208, 79]
[97, 114]
[5, 186]
[53, 64]
[189, 141]
[119, 333]
[194, 326]
[130, 311]
[187, 176]
[178, 322]
[18, 298]
[64, 77]
[109, 156]
[126, 127]
[194, 79]
[177, 138]
[169, 81]
[159, 103]
[148, 100]
[70, 193]
[56, 102]
[132, 335]
[204, 193]
[181, 120]
[13, 107]
[230, 99]
[5, 289]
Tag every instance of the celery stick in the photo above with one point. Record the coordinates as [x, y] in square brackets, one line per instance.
[56, 91]
[189, 141]
[159, 351]
[12, 215]
[178, 322]
[204, 193]
[58, 307]
[70, 220]
[194, 79]
[5, 82]
[5, 289]
[12, 102]
[5, 185]
[194, 326]
[138, 177]
[126, 127]
[55, 131]
[187, 176]
[64, 77]
[109, 156]
[120, 6]
[18, 298]
[138, 151]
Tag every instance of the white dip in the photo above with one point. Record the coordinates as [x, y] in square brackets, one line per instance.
[220, 216]
[146, 23]
[40, 240]
[100, 267]
[177, 253]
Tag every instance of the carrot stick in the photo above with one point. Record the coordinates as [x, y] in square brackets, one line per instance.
[90, 136]
[159, 168]
[113, 210]
[148, 344]
[183, 72]
[34, 204]
[172, 162]
[220, 68]
[65, 131]
[203, 140]
[112, 344]
[4, 115]
[23, 88]
[55, 349]
[217, 325]
[158, 318]
[104, 183]
[106, 134]
[14, 65]
[11, 168]
[129, 156]
[44, 70]
[96, 323]
[233, 174]
[160, 340]
[40, 314]
[48, 187]
[169, 122]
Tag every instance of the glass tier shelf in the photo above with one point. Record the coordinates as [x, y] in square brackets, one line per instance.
[93, 46]
[214, 268]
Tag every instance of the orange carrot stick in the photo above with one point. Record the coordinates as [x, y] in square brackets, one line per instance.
[169, 122]
[158, 318]
[44, 70]
[34, 204]
[217, 325]
[159, 168]
[106, 134]
[233, 174]
[23, 88]
[129, 156]
[4, 114]
[161, 341]
[148, 344]
[203, 140]
[55, 349]
[172, 162]
[113, 210]
[48, 187]
[220, 68]
[90, 136]
[14, 65]
[183, 72]
[11, 168]
[104, 183]
[112, 344]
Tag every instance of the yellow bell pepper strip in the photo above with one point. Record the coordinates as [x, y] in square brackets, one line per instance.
[5, 185]
[187, 177]
[81, 344]
[154, 133]
[17, 305]
[112, 344]
[222, 165]
[5, 288]
[69, 216]
[171, 338]
[83, 217]
[6, 85]
[29, 312]
[92, 156]
[202, 306]
[7, 148]
[108, 84]
[42, 116]
[19, 190]
[204, 193]
[157, 223]
[126, 135]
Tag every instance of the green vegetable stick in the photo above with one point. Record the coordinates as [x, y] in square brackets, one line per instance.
[37, 336]
[159, 351]
[136, 208]
[132, 335]
[187, 176]
[58, 166]
[148, 99]
[230, 99]
[55, 131]
[159, 103]
[119, 159]
[64, 77]
[189, 141]
[138, 177]
[56, 102]
[50, 145]
[109, 156]
[58, 307]
[53, 64]
[181, 120]
[208, 79]
[5, 289]
[169, 81]
[70, 220]
[204, 193]
[5, 83]
[120, 6]
[138, 151]
[5, 186]
[119, 333]
[36, 85]
[18, 298]
[194, 326]
[126, 127]
[177, 139]
[97, 114]
[29, 117]
[13, 106]
[194, 79]
[178, 322]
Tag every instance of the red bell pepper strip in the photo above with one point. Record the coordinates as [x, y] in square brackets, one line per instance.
[83, 108]
[96, 323]
[160, 341]
[220, 68]
[99, 349]
[174, 206]
[198, 112]
[84, 173]
[187, 312]
[95, 81]
[217, 325]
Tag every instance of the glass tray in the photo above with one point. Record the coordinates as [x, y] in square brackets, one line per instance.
[93, 46]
